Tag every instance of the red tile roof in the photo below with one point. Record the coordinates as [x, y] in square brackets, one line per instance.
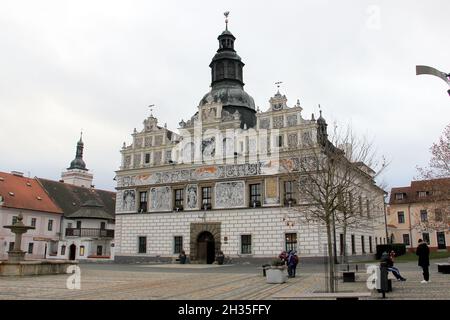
[25, 193]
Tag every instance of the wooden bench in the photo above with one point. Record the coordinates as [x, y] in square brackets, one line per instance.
[335, 295]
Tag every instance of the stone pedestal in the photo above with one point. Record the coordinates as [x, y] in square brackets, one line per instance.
[16, 256]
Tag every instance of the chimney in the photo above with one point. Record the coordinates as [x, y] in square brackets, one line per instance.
[17, 173]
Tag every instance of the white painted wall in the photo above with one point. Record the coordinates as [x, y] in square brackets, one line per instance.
[41, 231]
[266, 226]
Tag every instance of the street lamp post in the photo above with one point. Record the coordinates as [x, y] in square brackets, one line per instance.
[434, 72]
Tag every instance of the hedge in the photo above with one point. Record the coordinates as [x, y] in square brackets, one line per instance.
[399, 248]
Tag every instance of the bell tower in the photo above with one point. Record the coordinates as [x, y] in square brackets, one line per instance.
[77, 173]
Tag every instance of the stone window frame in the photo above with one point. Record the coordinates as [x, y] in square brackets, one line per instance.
[284, 194]
[247, 203]
[174, 243]
[145, 245]
[174, 194]
[401, 214]
[291, 242]
[241, 244]
[200, 195]
[140, 202]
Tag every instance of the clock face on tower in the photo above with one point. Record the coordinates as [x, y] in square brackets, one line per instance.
[277, 106]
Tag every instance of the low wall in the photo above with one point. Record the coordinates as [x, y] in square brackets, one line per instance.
[34, 268]
[235, 260]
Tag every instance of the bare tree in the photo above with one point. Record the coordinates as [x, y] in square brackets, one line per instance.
[328, 177]
[439, 166]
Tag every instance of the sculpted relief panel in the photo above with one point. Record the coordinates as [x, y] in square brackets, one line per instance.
[126, 201]
[191, 196]
[160, 199]
[230, 194]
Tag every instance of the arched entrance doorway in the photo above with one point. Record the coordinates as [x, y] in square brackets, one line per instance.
[72, 252]
[206, 248]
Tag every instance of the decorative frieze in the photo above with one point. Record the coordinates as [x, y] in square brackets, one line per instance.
[291, 120]
[278, 122]
[292, 140]
[230, 194]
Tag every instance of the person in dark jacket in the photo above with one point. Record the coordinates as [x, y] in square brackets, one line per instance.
[390, 264]
[424, 259]
[292, 262]
[182, 257]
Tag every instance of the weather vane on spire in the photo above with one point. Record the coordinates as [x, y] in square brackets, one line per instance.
[278, 83]
[226, 14]
[151, 109]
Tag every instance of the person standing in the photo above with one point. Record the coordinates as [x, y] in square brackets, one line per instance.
[424, 259]
[292, 263]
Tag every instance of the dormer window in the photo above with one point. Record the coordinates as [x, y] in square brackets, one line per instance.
[422, 194]
[399, 196]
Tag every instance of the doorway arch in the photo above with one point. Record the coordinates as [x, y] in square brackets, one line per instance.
[206, 248]
[72, 251]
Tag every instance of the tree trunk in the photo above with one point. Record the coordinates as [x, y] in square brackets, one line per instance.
[330, 257]
[344, 246]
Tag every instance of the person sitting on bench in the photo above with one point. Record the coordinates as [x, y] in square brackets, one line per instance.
[394, 270]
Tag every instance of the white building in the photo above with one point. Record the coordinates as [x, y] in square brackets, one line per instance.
[19, 194]
[87, 227]
[218, 185]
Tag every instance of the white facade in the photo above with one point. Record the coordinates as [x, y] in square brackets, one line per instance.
[265, 225]
[42, 239]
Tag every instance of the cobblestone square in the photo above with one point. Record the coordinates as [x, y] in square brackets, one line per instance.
[246, 282]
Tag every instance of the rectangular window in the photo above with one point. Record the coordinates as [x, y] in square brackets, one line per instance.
[423, 215]
[177, 244]
[289, 192]
[206, 197]
[99, 250]
[341, 244]
[368, 208]
[406, 239]
[426, 237]
[81, 251]
[143, 201]
[246, 244]
[142, 244]
[179, 195]
[280, 141]
[33, 222]
[11, 246]
[50, 225]
[422, 194]
[363, 245]
[353, 244]
[69, 225]
[291, 241]
[399, 196]
[376, 241]
[147, 158]
[360, 206]
[78, 224]
[103, 225]
[370, 245]
[14, 219]
[401, 217]
[63, 250]
[255, 195]
[30, 247]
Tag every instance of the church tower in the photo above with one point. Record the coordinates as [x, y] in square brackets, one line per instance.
[77, 174]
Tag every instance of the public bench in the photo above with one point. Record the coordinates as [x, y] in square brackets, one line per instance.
[348, 271]
[443, 267]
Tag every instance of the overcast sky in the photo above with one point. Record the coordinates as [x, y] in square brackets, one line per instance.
[97, 65]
